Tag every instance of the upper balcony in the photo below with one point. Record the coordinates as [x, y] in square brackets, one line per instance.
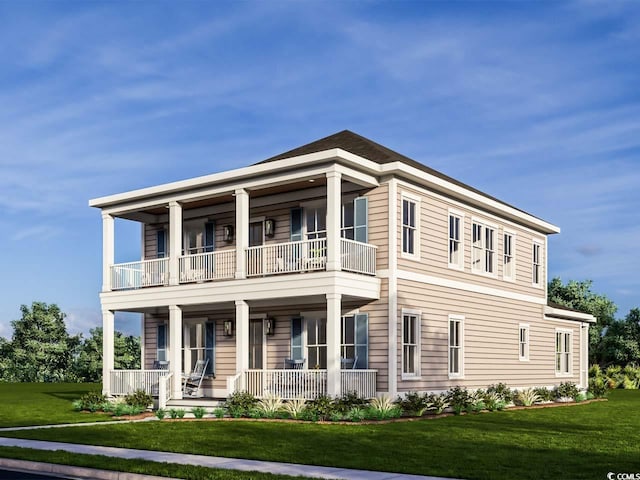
[301, 233]
[261, 261]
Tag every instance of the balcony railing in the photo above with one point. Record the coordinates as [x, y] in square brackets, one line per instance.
[147, 273]
[289, 384]
[357, 256]
[201, 267]
[263, 260]
[301, 256]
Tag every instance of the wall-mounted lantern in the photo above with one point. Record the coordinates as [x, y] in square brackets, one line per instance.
[228, 233]
[269, 325]
[270, 227]
[227, 328]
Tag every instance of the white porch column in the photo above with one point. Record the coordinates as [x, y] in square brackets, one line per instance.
[242, 336]
[175, 242]
[108, 240]
[334, 302]
[242, 232]
[107, 350]
[334, 195]
[175, 350]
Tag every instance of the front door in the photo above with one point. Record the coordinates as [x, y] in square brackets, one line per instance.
[256, 347]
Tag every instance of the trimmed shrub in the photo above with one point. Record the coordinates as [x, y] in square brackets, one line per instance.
[414, 404]
[91, 401]
[544, 394]
[566, 390]
[504, 393]
[438, 403]
[322, 406]
[458, 398]
[139, 398]
[349, 400]
[239, 403]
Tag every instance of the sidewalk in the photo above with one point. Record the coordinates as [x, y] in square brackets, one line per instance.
[215, 462]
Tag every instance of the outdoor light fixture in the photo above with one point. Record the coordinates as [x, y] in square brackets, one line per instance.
[228, 233]
[228, 328]
[269, 325]
[269, 227]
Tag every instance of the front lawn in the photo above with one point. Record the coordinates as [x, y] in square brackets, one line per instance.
[577, 442]
[172, 470]
[23, 404]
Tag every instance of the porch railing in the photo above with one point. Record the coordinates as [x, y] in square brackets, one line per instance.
[146, 273]
[200, 267]
[289, 257]
[362, 382]
[309, 384]
[124, 382]
[357, 256]
[164, 389]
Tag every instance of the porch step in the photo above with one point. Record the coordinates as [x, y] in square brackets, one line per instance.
[196, 402]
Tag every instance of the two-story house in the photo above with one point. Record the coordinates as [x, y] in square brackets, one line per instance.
[338, 266]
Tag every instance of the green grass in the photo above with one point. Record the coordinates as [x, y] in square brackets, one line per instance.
[188, 472]
[577, 442]
[23, 404]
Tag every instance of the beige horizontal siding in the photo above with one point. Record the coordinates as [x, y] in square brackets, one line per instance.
[434, 246]
[491, 339]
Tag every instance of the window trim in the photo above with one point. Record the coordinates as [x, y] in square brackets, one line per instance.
[484, 225]
[563, 332]
[540, 264]
[460, 319]
[406, 196]
[460, 216]
[527, 342]
[514, 257]
[418, 355]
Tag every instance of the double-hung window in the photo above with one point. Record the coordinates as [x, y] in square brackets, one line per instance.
[354, 340]
[456, 254]
[523, 342]
[508, 259]
[410, 218]
[483, 257]
[456, 346]
[563, 352]
[410, 344]
[536, 263]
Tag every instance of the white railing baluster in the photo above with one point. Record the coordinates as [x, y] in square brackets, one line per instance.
[146, 273]
[358, 257]
[124, 382]
[201, 267]
[289, 257]
[289, 384]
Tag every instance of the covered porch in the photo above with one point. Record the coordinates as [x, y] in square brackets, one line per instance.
[249, 346]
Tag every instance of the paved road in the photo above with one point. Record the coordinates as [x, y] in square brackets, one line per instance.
[10, 475]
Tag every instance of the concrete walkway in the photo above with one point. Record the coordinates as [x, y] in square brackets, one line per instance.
[215, 462]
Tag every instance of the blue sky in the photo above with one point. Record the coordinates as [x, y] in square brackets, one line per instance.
[536, 103]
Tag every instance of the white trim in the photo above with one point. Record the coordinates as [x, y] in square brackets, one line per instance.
[514, 255]
[570, 361]
[468, 196]
[570, 314]
[541, 263]
[337, 154]
[468, 287]
[483, 228]
[405, 196]
[470, 209]
[527, 343]
[460, 319]
[417, 314]
[451, 212]
[392, 272]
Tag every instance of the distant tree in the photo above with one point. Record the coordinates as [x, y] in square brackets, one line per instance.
[87, 366]
[621, 341]
[40, 350]
[578, 295]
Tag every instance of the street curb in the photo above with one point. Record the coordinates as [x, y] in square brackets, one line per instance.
[71, 471]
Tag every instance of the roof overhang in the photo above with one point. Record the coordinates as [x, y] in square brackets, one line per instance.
[353, 167]
[564, 314]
